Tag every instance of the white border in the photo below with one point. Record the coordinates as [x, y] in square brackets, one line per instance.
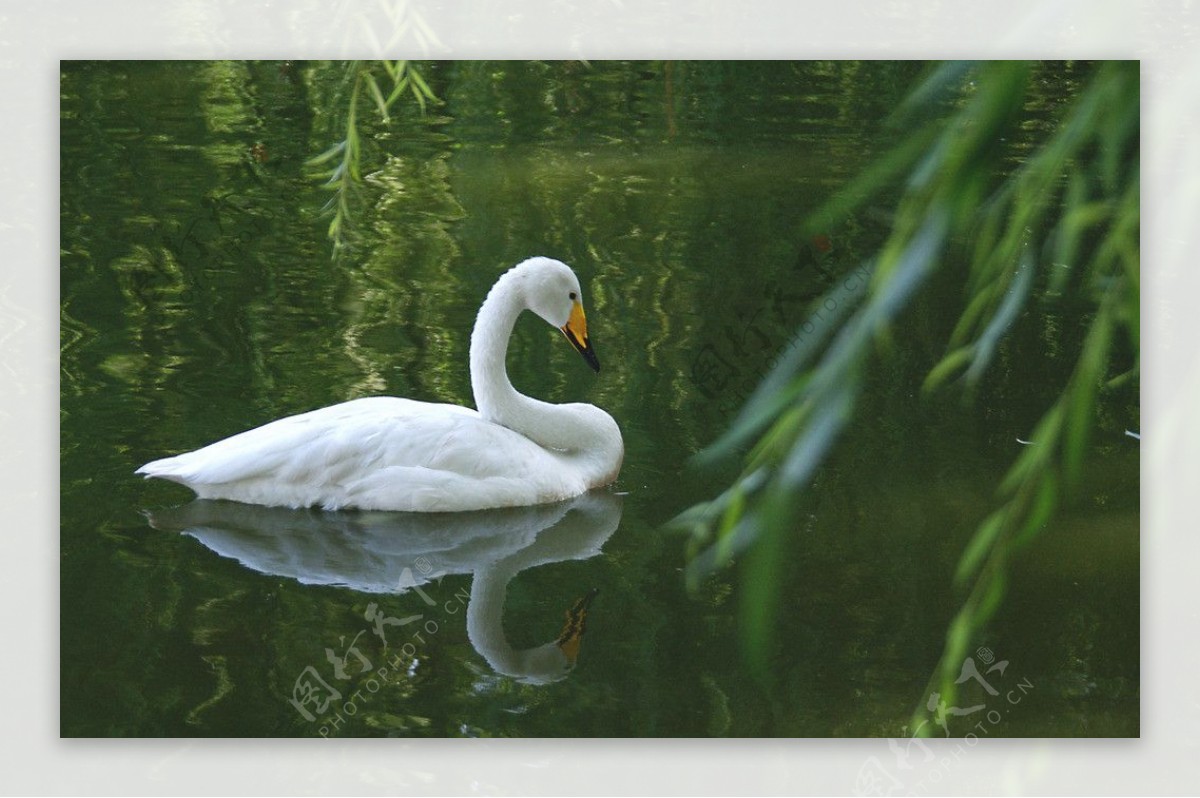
[34, 37]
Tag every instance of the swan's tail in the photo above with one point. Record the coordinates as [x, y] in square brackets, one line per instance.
[165, 468]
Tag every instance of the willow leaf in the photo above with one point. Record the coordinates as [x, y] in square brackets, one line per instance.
[980, 544]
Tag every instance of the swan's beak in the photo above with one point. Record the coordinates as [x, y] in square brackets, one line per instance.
[576, 332]
[572, 634]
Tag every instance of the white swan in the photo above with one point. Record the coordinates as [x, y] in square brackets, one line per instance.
[385, 453]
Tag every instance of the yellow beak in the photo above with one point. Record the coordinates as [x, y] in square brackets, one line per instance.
[576, 331]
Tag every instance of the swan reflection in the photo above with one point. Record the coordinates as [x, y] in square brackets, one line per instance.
[391, 552]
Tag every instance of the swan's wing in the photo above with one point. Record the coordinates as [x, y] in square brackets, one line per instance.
[328, 443]
[374, 453]
[450, 462]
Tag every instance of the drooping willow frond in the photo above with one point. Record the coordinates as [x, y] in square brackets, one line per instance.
[1065, 217]
[340, 166]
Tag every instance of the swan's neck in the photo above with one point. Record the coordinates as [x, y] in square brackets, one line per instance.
[495, 396]
[485, 629]
[485, 619]
[577, 430]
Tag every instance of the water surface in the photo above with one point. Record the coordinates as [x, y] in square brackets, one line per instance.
[199, 298]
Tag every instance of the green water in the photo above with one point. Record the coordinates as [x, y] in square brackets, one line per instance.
[199, 299]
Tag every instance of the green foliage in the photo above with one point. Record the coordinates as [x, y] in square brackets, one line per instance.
[340, 166]
[1058, 220]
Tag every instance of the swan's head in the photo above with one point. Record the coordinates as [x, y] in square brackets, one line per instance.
[552, 291]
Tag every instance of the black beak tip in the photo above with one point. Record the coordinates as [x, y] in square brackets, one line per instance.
[584, 348]
[590, 356]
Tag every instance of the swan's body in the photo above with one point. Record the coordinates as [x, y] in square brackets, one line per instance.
[385, 453]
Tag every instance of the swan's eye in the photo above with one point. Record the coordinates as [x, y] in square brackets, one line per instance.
[571, 295]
